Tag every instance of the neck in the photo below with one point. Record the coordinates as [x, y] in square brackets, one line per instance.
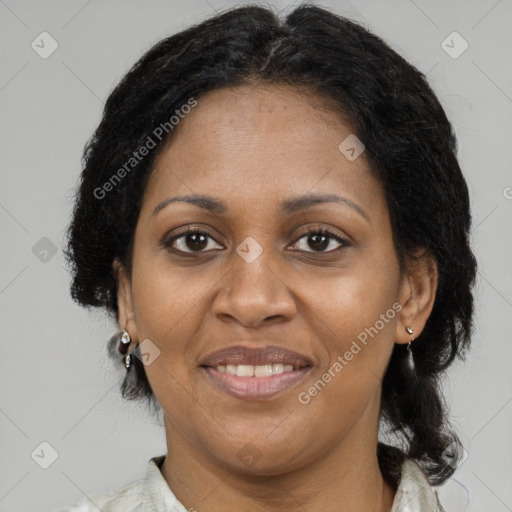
[347, 477]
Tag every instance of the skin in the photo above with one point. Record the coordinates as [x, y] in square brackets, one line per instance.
[251, 148]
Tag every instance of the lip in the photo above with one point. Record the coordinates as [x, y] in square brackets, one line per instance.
[269, 354]
[255, 388]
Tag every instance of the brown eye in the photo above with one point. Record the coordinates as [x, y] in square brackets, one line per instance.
[320, 239]
[191, 241]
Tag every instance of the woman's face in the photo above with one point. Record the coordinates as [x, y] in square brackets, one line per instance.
[254, 278]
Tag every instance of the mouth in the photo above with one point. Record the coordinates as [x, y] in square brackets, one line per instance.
[240, 355]
[260, 370]
[248, 386]
[255, 374]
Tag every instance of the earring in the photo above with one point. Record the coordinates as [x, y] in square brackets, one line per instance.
[410, 359]
[124, 342]
[125, 338]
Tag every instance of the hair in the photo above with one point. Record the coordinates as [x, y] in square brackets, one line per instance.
[409, 145]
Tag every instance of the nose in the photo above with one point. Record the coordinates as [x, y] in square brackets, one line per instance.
[253, 294]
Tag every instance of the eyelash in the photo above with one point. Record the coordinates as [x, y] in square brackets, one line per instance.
[315, 231]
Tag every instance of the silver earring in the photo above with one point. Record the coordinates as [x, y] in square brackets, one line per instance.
[125, 338]
[410, 359]
[124, 342]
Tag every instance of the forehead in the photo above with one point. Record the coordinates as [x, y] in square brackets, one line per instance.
[256, 142]
[248, 116]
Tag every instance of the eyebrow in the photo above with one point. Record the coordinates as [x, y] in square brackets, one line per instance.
[287, 207]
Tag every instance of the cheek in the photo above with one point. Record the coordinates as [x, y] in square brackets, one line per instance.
[356, 323]
[355, 299]
[165, 298]
[167, 313]
[169, 308]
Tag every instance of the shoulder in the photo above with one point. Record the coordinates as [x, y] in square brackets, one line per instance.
[126, 499]
[414, 491]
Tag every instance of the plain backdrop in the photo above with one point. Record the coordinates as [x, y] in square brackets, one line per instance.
[58, 387]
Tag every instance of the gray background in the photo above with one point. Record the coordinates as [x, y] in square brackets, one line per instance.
[57, 383]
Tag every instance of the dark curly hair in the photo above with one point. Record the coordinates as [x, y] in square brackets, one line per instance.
[410, 146]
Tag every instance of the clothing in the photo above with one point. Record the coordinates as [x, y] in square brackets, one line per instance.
[152, 494]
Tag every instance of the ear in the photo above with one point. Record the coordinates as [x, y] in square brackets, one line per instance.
[416, 295]
[126, 317]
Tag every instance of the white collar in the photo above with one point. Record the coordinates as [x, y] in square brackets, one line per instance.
[414, 493]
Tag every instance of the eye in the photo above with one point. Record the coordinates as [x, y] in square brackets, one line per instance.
[192, 238]
[321, 239]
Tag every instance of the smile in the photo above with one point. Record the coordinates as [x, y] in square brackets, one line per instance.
[255, 382]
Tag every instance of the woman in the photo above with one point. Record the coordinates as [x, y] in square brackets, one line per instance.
[274, 214]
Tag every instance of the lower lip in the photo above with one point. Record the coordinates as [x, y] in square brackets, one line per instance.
[255, 388]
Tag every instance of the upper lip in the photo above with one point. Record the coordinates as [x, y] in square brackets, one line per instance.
[269, 354]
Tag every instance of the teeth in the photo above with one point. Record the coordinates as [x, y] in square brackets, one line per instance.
[251, 370]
